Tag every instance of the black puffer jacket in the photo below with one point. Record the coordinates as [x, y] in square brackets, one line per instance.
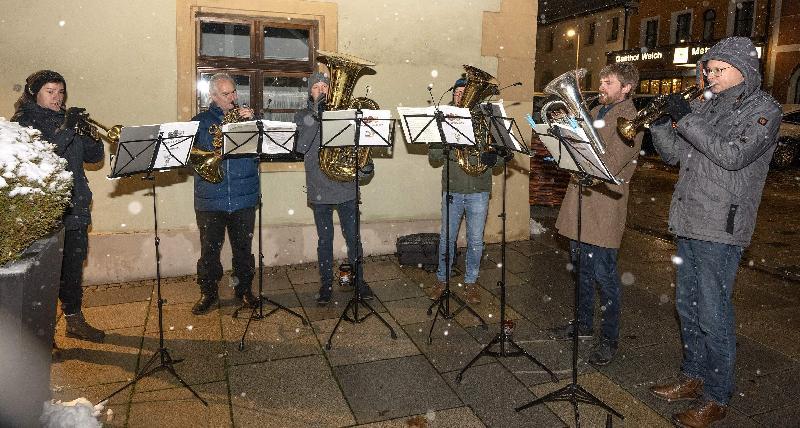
[724, 147]
[74, 148]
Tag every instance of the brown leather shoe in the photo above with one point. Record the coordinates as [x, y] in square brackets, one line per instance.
[700, 416]
[472, 294]
[437, 290]
[684, 389]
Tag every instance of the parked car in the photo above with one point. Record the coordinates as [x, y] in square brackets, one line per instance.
[788, 140]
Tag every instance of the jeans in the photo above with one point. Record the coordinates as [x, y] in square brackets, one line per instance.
[598, 265]
[76, 243]
[323, 219]
[475, 206]
[706, 276]
[212, 225]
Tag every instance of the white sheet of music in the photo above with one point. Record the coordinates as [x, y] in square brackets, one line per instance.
[375, 132]
[174, 149]
[556, 149]
[457, 125]
[242, 138]
[413, 126]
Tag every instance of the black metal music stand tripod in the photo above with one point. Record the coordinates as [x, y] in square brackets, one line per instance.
[241, 142]
[586, 160]
[503, 135]
[357, 299]
[161, 359]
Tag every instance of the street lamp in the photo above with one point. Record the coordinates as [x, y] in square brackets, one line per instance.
[572, 33]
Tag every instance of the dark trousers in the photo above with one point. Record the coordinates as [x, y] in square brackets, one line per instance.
[323, 219]
[76, 243]
[598, 265]
[212, 225]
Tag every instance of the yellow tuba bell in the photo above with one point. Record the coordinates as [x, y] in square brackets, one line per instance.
[207, 163]
[480, 85]
[339, 163]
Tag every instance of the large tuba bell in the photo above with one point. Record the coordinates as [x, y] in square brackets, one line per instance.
[207, 163]
[566, 88]
[339, 163]
[480, 85]
[657, 108]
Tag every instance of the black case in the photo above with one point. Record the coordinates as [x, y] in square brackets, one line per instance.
[419, 249]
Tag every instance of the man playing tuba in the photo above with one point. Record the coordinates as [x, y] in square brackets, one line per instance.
[326, 194]
[229, 204]
[470, 197]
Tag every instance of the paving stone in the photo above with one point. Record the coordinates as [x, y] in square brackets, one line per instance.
[488, 308]
[278, 336]
[460, 417]
[114, 317]
[753, 360]
[383, 270]
[85, 363]
[115, 295]
[182, 290]
[178, 407]
[410, 311]
[396, 289]
[636, 413]
[640, 366]
[447, 352]
[369, 340]
[488, 279]
[493, 393]
[778, 329]
[785, 416]
[766, 393]
[516, 262]
[302, 274]
[339, 300]
[413, 388]
[291, 392]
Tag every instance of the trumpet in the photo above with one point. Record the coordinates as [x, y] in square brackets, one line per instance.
[91, 127]
[658, 107]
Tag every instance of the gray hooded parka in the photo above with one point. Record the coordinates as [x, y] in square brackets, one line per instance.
[724, 147]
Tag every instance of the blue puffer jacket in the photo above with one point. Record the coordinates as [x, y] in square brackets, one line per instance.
[239, 187]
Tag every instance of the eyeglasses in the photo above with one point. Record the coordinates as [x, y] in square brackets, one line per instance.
[708, 72]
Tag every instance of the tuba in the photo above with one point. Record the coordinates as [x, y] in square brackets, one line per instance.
[207, 163]
[629, 127]
[480, 85]
[339, 163]
[566, 88]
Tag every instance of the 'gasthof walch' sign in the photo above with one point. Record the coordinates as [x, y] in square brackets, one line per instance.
[642, 56]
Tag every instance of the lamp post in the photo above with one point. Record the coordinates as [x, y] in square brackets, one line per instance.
[572, 33]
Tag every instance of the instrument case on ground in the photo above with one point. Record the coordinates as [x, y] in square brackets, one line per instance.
[419, 249]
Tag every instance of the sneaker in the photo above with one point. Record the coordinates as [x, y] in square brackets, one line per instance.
[565, 332]
[78, 328]
[603, 353]
[324, 296]
[437, 290]
[366, 293]
[472, 294]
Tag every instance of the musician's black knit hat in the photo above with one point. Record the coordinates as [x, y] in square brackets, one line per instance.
[35, 81]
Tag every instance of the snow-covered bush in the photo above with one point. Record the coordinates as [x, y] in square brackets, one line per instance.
[34, 188]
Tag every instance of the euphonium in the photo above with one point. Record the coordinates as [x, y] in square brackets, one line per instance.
[567, 89]
[339, 163]
[658, 107]
[479, 86]
[207, 163]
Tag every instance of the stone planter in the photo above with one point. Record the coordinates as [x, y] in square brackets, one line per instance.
[28, 298]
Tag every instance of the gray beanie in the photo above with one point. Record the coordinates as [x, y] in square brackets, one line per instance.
[318, 77]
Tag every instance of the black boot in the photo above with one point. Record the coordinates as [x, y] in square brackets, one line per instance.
[248, 299]
[204, 305]
[78, 328]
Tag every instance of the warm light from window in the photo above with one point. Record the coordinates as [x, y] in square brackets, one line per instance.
[202, 86]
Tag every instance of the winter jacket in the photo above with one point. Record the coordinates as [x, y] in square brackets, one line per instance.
[76, 149]
[724, 147]
[604, 208]
[320, 189]
[239, 186]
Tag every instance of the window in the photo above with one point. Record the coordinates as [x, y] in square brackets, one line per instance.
[683, 28]
[709, 16]
[590, 36]
[269, 59]
[613, 32]
[570, 43]
[550, 39]
[588, 81]
[743, 22]
[651, 33]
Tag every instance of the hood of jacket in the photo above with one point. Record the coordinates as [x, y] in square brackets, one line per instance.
[738, 52]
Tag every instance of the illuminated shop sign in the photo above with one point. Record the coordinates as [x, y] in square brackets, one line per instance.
[692, 54]
[639, 57]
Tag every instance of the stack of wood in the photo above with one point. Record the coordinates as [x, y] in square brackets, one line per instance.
[548, 184]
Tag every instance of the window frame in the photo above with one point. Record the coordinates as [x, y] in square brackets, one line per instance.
[644, 32]
[736, 19]
[613, 32]
[592, 29]
[709, 19]
[677, 27]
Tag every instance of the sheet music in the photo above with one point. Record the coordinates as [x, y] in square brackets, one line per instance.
[412, 126]
[499, 111]
[377, 133]
[174, 150]
[337, 130]
[283, 135]
[557, 150]
[576, 133]
[570, 153]
[457, 129]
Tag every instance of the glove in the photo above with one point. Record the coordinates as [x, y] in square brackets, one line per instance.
[489, 158]
[677, 107]
[366, 171]
[73, 116]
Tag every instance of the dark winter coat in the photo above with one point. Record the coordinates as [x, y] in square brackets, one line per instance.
[604, 208]
[460, 181]
[320, 188]
[724, 147]
[239, 186]
[76, 149]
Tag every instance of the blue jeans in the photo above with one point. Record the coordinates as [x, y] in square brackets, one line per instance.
[476, 206]
[598, 264]
[323, 219]
[705, 280]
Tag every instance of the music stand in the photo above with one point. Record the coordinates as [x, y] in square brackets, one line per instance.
[245, 139]
[145, 149]
[501, 129]
[586, 164]
[418, 130]
[356, 128]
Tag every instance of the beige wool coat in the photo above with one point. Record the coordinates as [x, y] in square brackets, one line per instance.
[605, 206]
